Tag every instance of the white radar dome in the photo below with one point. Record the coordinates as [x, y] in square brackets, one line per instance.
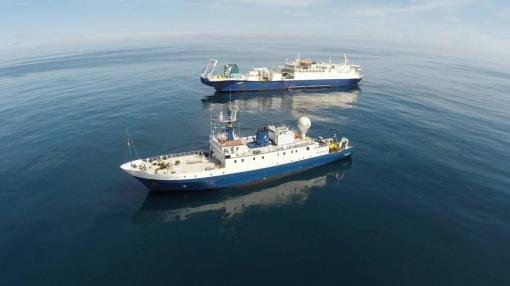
[304, 124]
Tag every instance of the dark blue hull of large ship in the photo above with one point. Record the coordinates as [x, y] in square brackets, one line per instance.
[244, 178]
[245, 85]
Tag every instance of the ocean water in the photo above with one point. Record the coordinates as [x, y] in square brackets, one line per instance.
[425, 199]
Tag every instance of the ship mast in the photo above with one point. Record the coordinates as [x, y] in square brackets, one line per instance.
[211, 130]
[229, 118]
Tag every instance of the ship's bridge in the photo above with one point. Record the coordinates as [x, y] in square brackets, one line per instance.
[267, 139]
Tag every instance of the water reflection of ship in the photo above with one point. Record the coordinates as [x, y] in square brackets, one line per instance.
[293, 102]
[165, 207]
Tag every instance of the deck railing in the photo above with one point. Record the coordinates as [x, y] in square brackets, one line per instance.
[168, 156]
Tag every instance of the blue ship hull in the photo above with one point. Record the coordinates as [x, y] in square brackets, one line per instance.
[243, 85]
[244, 178]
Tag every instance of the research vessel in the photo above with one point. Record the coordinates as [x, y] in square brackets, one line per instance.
[232, 160]
[297, 74]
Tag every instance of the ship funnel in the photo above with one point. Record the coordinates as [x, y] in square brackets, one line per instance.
[304, 124]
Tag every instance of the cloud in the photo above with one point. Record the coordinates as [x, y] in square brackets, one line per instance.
[283, 3]
[423, 6]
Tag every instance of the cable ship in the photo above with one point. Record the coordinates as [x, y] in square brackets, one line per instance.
[297, 74]
[232, 160]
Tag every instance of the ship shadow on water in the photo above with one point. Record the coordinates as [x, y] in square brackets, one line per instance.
[224, 97]
[232, 202]
[312, 102]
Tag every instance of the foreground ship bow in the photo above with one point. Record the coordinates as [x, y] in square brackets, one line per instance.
[297, 74]
[234, 161]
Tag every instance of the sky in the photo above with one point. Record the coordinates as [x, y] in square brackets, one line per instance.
[460, 27]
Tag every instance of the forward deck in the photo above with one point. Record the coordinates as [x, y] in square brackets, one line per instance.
[188, 162]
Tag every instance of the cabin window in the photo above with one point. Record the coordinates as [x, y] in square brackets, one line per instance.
[262, 157]
[242, 160]
[307, 148]
[235, 161]
[283, 153]
[253, 158]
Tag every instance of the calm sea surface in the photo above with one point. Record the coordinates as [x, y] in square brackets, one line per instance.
[425, 199]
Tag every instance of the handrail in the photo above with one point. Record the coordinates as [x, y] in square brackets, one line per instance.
[174, 155]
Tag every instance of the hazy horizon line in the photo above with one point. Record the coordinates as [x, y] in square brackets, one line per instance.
[83, 45]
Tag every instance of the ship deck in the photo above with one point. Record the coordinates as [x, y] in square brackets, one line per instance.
[189, 162]
[199, 161]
